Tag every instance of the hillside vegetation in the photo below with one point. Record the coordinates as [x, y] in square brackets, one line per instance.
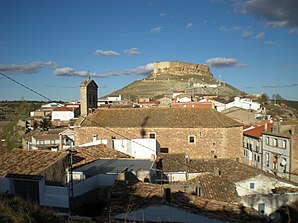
[17, 210]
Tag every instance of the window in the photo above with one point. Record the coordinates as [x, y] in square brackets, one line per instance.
[275, 142]
[191, 139]
[152, 135]
[164, 150]
[258, 159]
[41, 142]
[252, 186]
[261, 208]
[275, 162]
[267, 140]
[283, 144]
[267, 159]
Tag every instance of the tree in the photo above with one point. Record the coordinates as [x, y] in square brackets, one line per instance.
[277, 97]
[45, 124]
[35, 124]
[264, 97]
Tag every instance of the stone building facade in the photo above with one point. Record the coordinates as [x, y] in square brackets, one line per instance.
[201, 133]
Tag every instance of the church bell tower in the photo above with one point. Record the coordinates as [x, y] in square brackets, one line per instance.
[88, 96]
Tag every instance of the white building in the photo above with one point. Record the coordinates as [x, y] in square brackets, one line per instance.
[64, 113]
[244, 103]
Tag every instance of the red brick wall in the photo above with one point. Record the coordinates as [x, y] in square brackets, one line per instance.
[225, 142]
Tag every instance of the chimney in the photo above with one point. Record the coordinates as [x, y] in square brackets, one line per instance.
[265, 127]
[168, 194]
[94, 138]
[60, 142]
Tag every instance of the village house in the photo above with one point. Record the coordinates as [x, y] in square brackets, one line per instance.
[280, 150]
[50, 179]
[61, 139]
[215, 103]
[38, 176]
[247, 117]
[165, 101]
[244, 103]
[252, 145]
[154, 203]
[202, 133]
[183, 98]
[228, 181]
[64, 114]
[192, 104]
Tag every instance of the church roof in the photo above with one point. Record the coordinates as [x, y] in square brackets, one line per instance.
[159, 118]
[88, 82]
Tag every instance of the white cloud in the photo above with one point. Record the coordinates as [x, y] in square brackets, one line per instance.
[277, 13]
[162, 14]
[106, 53]
[269, 43]
[69, 71]
[221, 62]
[189, 25]
[29, 68]
[156, 29]
[132, 51]
[247, 33]
[260, 35]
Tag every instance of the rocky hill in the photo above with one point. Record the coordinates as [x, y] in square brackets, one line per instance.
[167, 77]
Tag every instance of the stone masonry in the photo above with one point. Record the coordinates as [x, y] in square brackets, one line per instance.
[180, 69]
[209, 142]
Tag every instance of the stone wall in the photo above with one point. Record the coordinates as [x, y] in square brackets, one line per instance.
[209, 142]
[180, 68]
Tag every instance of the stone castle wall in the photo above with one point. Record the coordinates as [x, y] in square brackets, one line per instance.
[180, 68]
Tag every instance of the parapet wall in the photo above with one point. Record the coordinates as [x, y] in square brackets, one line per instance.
[180, 68]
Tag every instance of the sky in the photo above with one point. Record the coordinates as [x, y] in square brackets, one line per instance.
[50, 46]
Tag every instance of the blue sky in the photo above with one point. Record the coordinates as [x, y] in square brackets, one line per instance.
[50, 46]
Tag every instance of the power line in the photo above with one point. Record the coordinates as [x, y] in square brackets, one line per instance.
[28, 88]
[86, 118]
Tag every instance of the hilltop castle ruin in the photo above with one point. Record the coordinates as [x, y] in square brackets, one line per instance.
[179, 69]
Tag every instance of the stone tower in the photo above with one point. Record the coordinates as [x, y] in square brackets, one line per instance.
[88, 96]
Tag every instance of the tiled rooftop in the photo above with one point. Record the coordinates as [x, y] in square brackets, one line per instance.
[129, 197]
[257, 131]
[30, 162]
[240, 171]
[85, 155]
[159, 118]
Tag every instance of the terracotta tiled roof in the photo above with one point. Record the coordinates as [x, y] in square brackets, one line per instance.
[257, 131]
[159, 118]
[30, 162]
[217, 188]
[70, 109]
[231, 170]
[85, 155]
[126, 198]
